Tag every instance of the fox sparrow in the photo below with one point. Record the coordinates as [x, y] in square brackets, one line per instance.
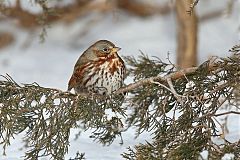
[98, 70]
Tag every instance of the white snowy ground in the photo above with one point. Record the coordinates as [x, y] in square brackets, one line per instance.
[50, 64]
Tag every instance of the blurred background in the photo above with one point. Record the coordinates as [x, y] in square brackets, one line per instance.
[41, 40]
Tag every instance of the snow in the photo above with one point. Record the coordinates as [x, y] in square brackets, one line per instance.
[50, 64]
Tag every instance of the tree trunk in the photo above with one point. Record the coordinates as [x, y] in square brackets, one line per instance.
[186, 34]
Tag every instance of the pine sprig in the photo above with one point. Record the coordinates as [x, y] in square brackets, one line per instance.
[47, 115]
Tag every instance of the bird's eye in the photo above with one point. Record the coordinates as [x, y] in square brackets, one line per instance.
[105, 50]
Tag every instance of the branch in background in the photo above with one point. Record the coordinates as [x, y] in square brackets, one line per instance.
[71, 12]
[211, 15]
[6, 39]
[229, 8]
[215, 13]
[25, 18]
[219, 13]
[66, 13]
[187, 31]
[143, 9]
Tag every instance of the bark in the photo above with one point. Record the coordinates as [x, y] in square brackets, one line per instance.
[187, 30]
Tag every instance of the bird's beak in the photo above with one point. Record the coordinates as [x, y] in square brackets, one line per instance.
[115, 49]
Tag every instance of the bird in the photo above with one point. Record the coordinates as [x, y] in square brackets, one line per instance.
[98, 70]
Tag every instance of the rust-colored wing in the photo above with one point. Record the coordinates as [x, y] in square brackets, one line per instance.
[76, 77]
[79, 73]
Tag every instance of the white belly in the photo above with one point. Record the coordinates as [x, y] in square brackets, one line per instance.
[105, 82]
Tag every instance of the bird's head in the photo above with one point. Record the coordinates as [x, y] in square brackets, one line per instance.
[104, 48]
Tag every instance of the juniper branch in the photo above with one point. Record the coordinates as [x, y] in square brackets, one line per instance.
[46, 115]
